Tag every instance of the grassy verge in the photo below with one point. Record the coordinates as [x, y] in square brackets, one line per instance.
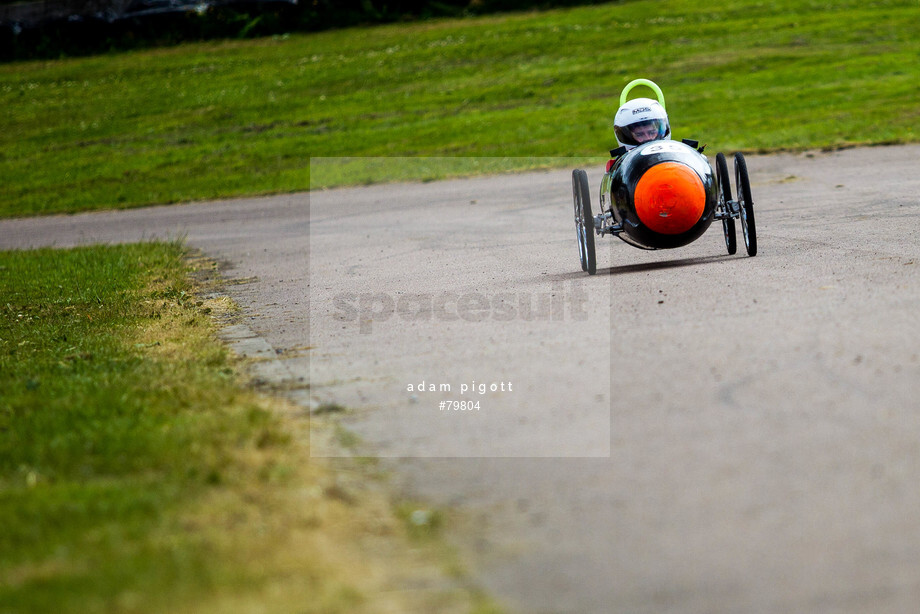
[232, 118]
[138, 475]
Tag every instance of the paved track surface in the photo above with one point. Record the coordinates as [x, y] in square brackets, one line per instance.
[684, 432]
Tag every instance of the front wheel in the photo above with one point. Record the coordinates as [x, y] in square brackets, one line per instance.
[743, 184]
[584, 221]
[725, 197]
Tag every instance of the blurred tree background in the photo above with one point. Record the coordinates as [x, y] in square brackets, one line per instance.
[59, 28]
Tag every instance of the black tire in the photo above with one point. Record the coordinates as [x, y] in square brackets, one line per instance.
[725, 196]
[584, 221]
[743, 184]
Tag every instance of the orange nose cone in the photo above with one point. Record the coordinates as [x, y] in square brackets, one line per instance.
[670, 198]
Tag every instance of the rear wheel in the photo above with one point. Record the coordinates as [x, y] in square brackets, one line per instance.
[743, 184]
[725, 196]
[584, 221]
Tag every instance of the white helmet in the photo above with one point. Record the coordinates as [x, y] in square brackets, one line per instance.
[641, 120]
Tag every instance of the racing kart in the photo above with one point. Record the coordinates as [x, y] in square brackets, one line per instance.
[663, 194]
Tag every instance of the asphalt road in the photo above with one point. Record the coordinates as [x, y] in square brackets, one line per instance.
[685, 432]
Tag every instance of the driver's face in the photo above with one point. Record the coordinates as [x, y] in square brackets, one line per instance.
[645, 133]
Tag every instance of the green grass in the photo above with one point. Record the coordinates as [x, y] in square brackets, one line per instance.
[236, 118]
[102, 435]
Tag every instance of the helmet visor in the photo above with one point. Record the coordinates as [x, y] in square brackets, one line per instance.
[643, 132]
